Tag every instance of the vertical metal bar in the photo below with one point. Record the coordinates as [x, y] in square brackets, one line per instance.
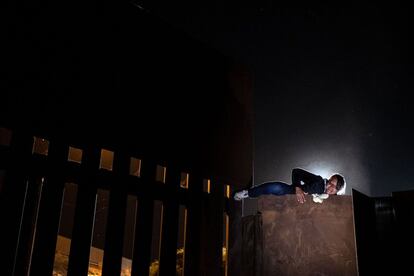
[170, 225]
[28, 225]
[193, 250]
[143, 231]
[49, 211]
[12, 197]
[212, 230]
[112, 261]
[84, 214]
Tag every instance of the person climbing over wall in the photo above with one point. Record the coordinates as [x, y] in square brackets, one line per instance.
[303, 182]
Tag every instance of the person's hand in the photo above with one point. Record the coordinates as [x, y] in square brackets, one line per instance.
[300, 195]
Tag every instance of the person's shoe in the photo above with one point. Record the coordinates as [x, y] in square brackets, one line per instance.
[241, 195]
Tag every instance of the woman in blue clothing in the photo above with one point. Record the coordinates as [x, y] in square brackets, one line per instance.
[303, 182]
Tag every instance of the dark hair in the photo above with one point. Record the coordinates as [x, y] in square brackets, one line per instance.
[340, 181]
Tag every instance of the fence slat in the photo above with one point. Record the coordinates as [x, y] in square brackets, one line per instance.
[193, 239]
[212, 230]
[112, 261]
[143, 231]
[49, 210]
[84, 214]
[13, 194]
[170, 224]
[27, 228]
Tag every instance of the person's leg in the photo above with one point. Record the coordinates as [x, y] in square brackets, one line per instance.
[271, 188]
[268, 188]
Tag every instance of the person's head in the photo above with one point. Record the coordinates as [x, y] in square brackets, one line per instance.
[335, 185]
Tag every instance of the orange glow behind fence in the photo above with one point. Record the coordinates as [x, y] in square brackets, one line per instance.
[206, 186]
[182, 231]
[227, 191]
[184, 180]
[225, 243]
[161, 174]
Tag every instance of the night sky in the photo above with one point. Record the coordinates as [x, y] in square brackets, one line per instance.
[331, 84]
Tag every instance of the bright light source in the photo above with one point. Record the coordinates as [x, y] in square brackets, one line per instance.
[323, 169]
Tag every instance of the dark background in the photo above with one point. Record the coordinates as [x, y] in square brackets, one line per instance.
[331, 84]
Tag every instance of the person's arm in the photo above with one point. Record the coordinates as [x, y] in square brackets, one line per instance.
[299, 176]
[300, 195]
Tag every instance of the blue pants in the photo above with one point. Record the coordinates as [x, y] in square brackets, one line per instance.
[271, 188]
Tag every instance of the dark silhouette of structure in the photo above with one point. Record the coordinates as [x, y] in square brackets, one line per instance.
[91, 76]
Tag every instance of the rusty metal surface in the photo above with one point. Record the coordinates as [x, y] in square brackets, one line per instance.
[309, 238]
[252, 250]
